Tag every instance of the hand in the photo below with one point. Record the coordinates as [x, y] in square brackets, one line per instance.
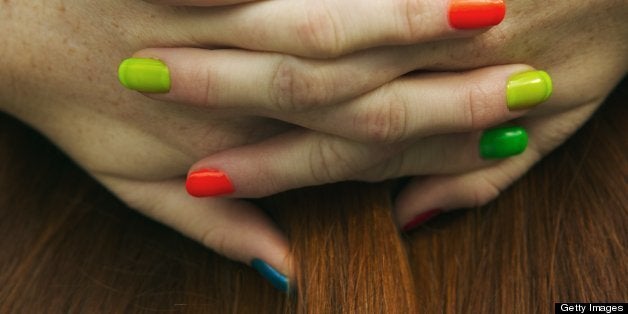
[448, 163]
[446, 103]
[585, 65]
[57, 75]
[332, 28]
[203, 3]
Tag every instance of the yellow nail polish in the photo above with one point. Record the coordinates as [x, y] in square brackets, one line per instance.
[144, 75]
[528, 89]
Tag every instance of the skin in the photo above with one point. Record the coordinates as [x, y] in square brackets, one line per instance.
[378, 136]
[59, 77]
[138, 148]
[142, 148]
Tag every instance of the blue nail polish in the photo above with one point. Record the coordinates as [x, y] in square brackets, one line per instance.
[278, 280]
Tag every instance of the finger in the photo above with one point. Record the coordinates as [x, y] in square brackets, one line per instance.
[425, 197]
[422, 105]
[284, 88]
[295, 159]
[233, 228]
[305, 158]
[331, 28]
[310, 158]
[200, 3]
[452, 153]
[259, 83]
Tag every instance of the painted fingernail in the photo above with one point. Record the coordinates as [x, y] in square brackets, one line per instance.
[208, 182]
[469, 14]
[144, 75]
[502, 142]
[528, 89]
[421, 219]
[278, 280]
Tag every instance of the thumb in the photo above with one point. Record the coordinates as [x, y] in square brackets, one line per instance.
[234, 228]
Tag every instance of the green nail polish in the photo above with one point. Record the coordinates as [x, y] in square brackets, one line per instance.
[144, 75]
[528, 89]
[502, 142]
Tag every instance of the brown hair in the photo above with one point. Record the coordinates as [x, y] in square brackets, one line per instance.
[559, 234]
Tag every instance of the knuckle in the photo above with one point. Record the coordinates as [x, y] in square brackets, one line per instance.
[215, 238]
[386, 123]
[480, 108]
[200, 85]
[208, 92]
[484, 192]
[414, 17]
[294, 87]
[471, 52]
[318, 32]
[391, 168]
[328, 164]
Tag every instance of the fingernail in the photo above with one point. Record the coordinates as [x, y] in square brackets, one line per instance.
[502, 142]
[421, 218]
[208, 182]
[144, 75]
[528, 89]
[278, 280]
[469, 14]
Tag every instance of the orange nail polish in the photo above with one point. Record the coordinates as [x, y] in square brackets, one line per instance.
[208, 182]
[470, 14]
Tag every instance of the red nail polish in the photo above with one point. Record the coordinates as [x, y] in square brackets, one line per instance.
[208, 182]
[469, 14]
[421, 218]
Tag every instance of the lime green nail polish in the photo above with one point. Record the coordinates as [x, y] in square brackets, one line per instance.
[528, 89]
[502, 142]
[144, 75]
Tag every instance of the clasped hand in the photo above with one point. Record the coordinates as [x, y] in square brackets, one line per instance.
[250, 99]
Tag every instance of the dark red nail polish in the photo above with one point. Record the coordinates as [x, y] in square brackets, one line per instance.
[470, 14]
[208, 182]
[421, 218]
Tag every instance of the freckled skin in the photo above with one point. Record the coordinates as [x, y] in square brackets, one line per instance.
[83, 41]
[59, 61]
[74, 84]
